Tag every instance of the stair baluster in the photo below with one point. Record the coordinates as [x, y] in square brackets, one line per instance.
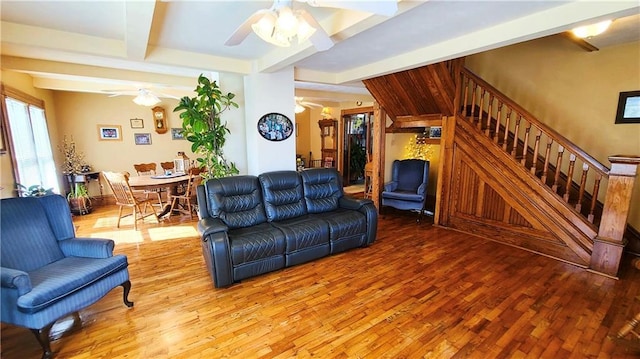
[516, 131]
[572, 165]
[547, 154]
[556, 178]
[583, 182]
[506, 130]
[594, 198]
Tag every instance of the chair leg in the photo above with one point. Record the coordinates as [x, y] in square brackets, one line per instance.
[173, 204]
[125, 296]
[135, 217]
[43, 338]
[119, 217]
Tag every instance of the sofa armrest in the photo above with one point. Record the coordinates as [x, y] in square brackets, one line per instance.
[347, 202]
[216, 250]
[366, 207]
[15, 279]
[209, 225]
[422, 189]
[87, 247]
[390, 186]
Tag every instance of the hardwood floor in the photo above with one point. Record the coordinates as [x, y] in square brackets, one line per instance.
[417, 292]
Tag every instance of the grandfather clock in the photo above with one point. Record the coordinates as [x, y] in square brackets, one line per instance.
[159, 119]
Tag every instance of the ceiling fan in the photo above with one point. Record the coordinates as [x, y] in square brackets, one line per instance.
[279, 24]
[300, 104]
[143, 96]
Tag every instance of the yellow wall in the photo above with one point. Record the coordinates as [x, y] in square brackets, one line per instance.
[573, 91]
[23, 83]
[81, 113]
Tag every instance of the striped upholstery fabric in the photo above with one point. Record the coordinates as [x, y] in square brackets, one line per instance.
[32, 244]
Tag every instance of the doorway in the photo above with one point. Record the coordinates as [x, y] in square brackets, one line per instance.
[357, 144]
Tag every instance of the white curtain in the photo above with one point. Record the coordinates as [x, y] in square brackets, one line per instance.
[31, 145]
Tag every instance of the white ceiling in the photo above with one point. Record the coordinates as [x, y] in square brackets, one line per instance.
[101, 45]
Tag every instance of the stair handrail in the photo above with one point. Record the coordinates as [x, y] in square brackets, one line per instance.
[560, 139]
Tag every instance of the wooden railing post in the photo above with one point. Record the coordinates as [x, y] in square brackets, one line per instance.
[608, 245]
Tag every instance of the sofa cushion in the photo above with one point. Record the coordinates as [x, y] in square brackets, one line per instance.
[283, 197]
[404, 195]
[344, 223]
[28, 241]
[303, 232]
[255, 242]
[322, 189]
[237, 201]
[61, 278]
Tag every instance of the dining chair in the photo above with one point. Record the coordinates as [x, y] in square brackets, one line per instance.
[167, 165]
[149, 169]
[125, 197]
[189, 195]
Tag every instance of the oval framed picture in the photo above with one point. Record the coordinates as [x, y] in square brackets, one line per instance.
[275, 127]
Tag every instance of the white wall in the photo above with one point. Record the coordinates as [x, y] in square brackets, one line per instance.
[267, 93]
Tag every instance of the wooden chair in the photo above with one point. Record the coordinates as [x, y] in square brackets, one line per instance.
[189, 196]
[149, 169]
[125, 197]
[167, 165]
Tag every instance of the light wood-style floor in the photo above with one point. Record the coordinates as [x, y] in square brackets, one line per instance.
[418, 292]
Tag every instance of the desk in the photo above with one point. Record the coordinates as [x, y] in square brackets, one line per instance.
[147, 183]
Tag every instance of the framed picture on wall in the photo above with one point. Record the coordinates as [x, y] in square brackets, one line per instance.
[628, 107]
[435, 131]
[275, 127]
[142, 138]
[177, 134]
[109, 132]
[137, 123]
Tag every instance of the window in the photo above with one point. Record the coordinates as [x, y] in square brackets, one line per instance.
[29, 141]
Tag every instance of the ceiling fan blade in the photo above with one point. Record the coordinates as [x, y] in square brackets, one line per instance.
[310, 104]
[244, 29]
[320, 39]
[380, 7]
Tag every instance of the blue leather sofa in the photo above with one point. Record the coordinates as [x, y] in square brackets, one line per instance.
[252, 225]
[46, 272]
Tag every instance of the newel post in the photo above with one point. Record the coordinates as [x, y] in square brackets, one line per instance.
[608, 245]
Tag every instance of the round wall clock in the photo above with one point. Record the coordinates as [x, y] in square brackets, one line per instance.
[275, 127]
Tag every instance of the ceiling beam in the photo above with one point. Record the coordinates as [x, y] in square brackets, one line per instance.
[138, 20]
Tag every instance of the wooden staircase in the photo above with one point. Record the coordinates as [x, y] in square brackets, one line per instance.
[509, 177]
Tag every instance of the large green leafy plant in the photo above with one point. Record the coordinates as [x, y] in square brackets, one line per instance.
[203, 127]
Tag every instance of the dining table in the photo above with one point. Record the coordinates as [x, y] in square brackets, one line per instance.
[169, 181]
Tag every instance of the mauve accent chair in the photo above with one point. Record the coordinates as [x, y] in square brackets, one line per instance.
[46, 271]
[408, 187]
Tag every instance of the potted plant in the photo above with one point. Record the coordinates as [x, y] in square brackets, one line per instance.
[35, 190]
[78, 197]
[203, 127]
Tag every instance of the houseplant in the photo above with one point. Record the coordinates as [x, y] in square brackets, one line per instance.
[35, 190]
[78, 196]
[203, 127]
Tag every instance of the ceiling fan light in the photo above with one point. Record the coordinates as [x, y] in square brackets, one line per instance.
[304, 31]
[287, 22]
[591, 30]
[299, 108]
[264, 27]
[145, 98]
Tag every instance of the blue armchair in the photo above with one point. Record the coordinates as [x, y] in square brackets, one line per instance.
[46, 272]
[408, 187]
